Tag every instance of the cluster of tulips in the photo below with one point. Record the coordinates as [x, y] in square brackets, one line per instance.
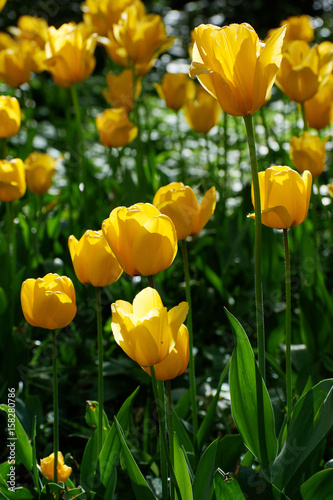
[236, 73]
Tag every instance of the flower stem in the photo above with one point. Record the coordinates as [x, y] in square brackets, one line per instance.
[305, 122]
[4, 148]
[170, 429]
[190, 332]
[288, 324]
[55, 406]
[12, 259]
[100, 368]
[151, 282]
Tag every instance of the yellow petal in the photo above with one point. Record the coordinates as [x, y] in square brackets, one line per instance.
[145, 301]
[27, 300]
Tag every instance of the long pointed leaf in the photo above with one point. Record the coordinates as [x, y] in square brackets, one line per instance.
[181, 471]
[23, 449]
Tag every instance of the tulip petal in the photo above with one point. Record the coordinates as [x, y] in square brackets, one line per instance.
[207, 208]
[179, 216]
[145, 301]
[53, 310]
[27, 300]
[177, 316]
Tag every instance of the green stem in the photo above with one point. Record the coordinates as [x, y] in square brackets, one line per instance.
[4, 148]
[288, 324]
[305, 122]
[190, 332]
[181, 147]
[258, 246]
[12, 259]
[151, 282]
[55, 406]
[170, 429]
[100, 369]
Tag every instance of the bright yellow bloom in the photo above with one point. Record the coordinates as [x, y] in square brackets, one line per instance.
[330, 189]
[285, 197]
[146, 331]
[115, 129]
[93, 260]
[12, 179]
[176, 362]
[307, 152]
[319, 109]
[174, 89]
[39, 171]
[325, 52]
[2, 4]
[180, 203]
[234, 66]
[298, 28]
[10, 116]
[48, 302]
[103, 14]
[47, 468]
[18, 60]
[70, 53]
[202, 112]
[298, 76]
[137, 39]
[31, 28]
[143, 240]
[120, 89]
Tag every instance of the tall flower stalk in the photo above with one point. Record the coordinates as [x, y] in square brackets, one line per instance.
[55, 406]
[288, 324]
[100, 368]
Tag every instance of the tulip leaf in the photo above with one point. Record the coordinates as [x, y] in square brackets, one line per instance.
[256, 426]
[203, 480]
[23, 449]
[226, 487]
[181, 471]
[310, 422]
[318, 486]
[140, 486]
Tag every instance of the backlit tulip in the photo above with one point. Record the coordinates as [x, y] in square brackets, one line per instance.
[70, 53]
[298, 28]
[10, 116]
[48, 302]
[285, 197]
[31, 28]
[202, 112]
[12, 180]
[146, 331]
[143, 240]
[47, 468]
[2, 4]
[176, 362]
[120, 89]
[115, 129]
[174, 89]
[307, 152]
[319, 109]
[180, 203]
[298, 76]
[93, 260]
[18, 62]
[137, 39]
[39, 171]
[103, 14]
[234, 66]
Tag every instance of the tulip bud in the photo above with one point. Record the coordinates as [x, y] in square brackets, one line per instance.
[47, 468]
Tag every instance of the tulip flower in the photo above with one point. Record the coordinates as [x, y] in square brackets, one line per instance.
[10, 116]
[180, 203]
[307, 152]
[203, 112]
[298, 28]
[93, 260]
[18, 61]
[176, 362]
[70, 53]
[39, 171]
[298, 76]
[137, 39]
[115, 129]
[12, 180]
[48, 302]
[2, 4]
[120, 90]
[319, 109]
[143, 240]
[103, 14]
[31, 28]
[234, 67]
[146, 331]
[285, 197]
[174, 89]
[47, 468]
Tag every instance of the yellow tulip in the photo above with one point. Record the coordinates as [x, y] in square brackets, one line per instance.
[203, 112]
[298, 76]
[174, 89]
[180, 203]
[115, 128]
[39, 171]
[18, 61]
[285, 197]
[137, 39]
[307, 152]
[143, 240]
[103, 14]
[93, 260]
[70, 53]
[120, 89]
[176, 362]
[146, 331]
[2, 4]
[47, 468]
[31, 28]
[10, 116]
[319, 109]
[12, 180]
[298, 28]
[48, 302]
[234, 66]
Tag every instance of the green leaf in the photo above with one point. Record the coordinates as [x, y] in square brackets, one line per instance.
[310, 422]
[226, 487]
[181, 471]
[205, 472]
[319, 486]
[255, 485]
[245, 381]
[139, 484]
[23, 449]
